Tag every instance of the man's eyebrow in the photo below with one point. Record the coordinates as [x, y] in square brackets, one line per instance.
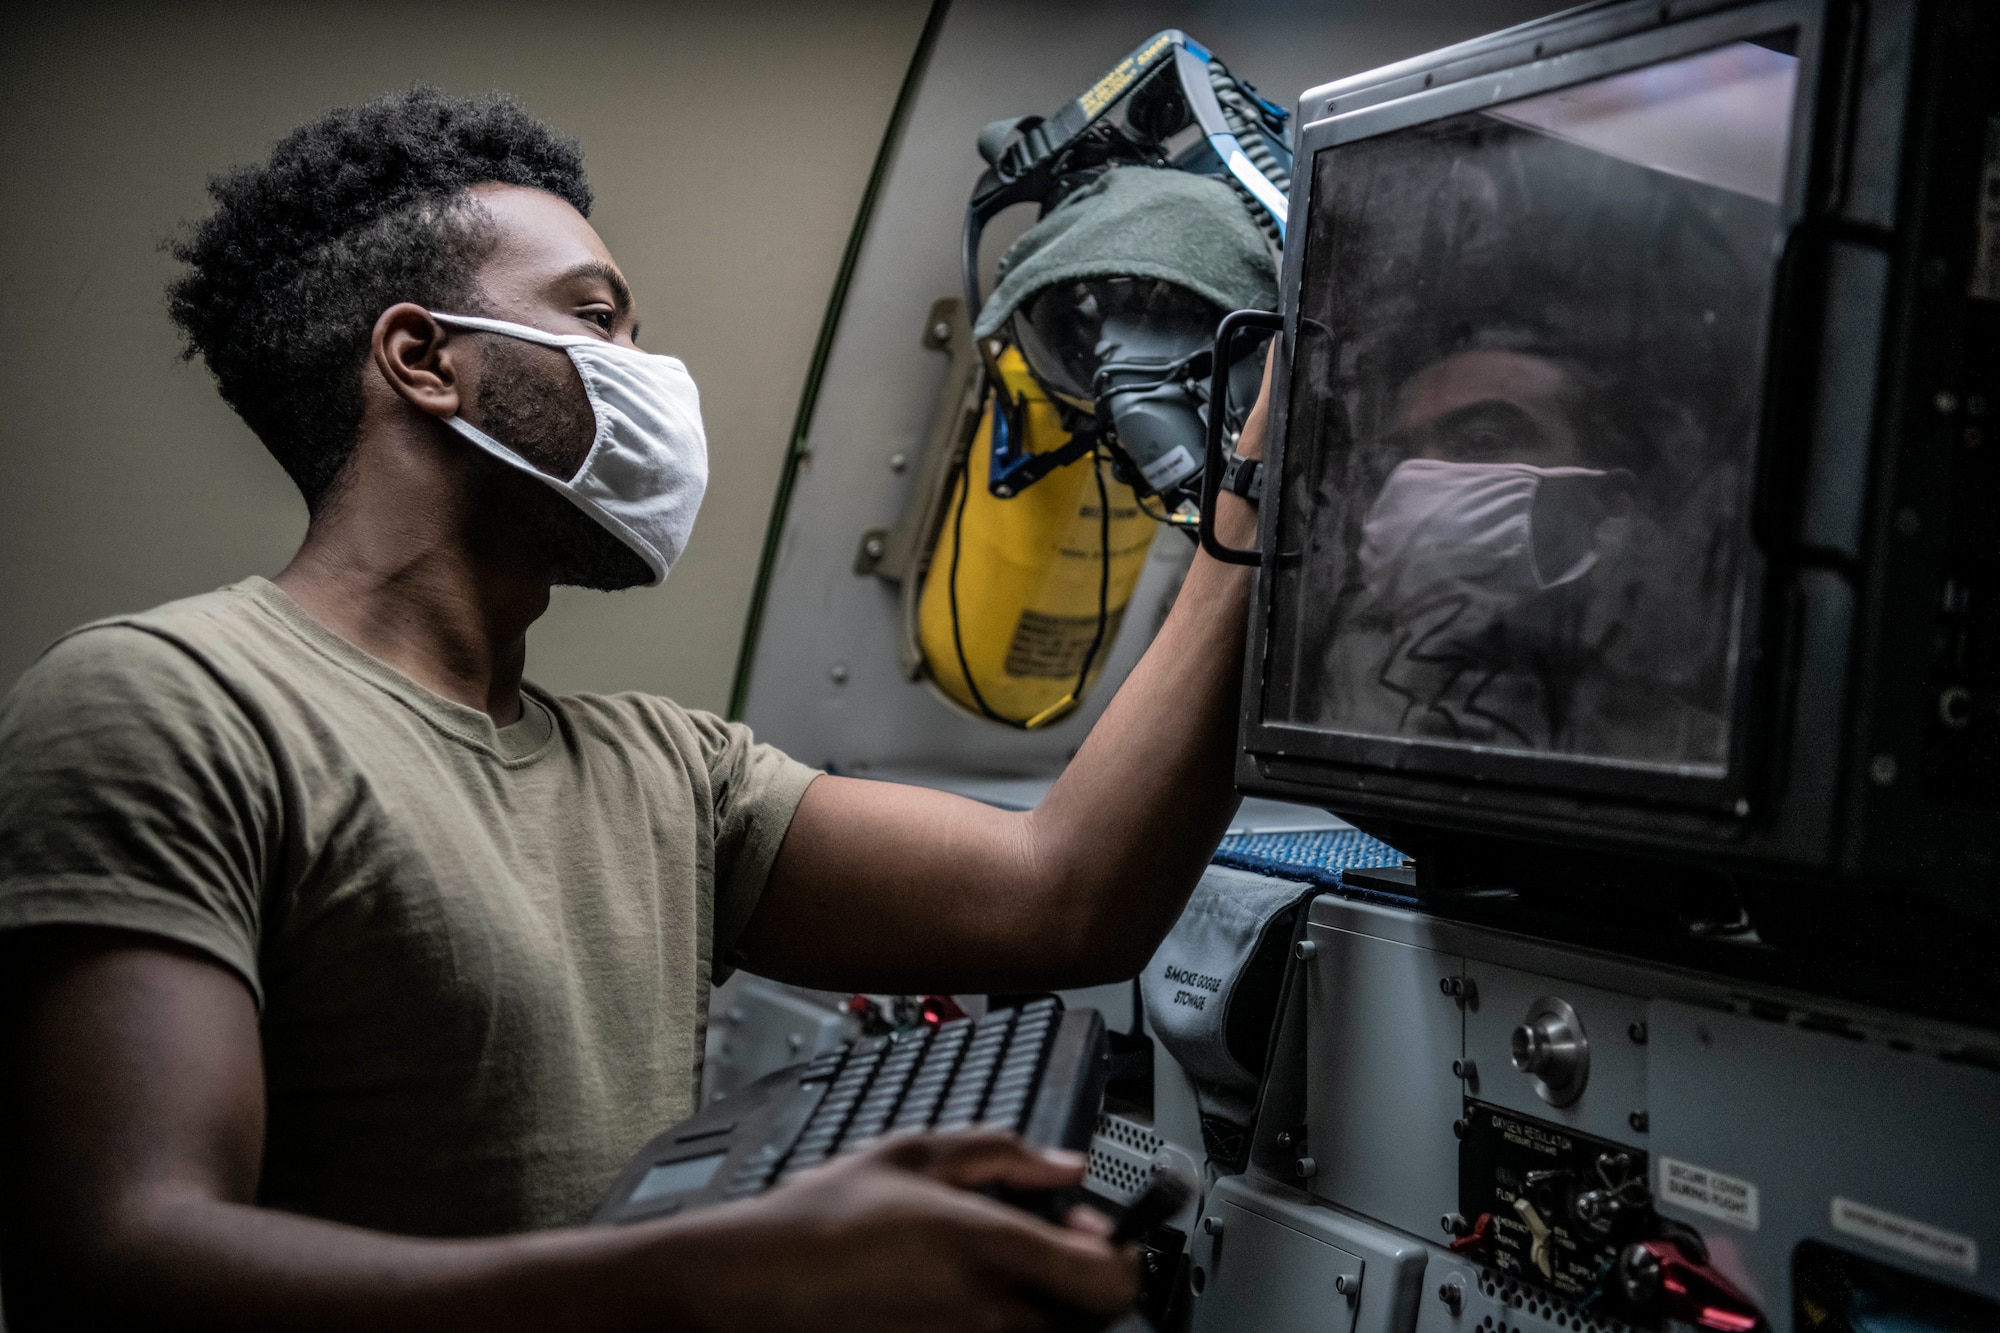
[621, 295]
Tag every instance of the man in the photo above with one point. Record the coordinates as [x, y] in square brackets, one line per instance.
[343, 968]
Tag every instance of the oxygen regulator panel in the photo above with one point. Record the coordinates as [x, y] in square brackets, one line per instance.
[1489, 1131]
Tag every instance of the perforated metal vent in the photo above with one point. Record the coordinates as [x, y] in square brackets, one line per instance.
[1527, 1310]
[1121, 1158]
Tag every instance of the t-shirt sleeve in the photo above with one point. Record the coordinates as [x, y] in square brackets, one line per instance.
[756, 789]
[135, 794]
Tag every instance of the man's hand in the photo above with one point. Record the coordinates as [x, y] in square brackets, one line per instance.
[895, 1239]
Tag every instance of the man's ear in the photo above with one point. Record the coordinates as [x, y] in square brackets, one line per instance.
[415, 356]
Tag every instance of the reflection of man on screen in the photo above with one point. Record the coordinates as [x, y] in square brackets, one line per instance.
[1476, 554]
[1534, 354]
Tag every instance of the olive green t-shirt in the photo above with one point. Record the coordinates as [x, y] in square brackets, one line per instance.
[481, 955]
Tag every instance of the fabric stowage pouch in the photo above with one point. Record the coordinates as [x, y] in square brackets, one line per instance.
[1211, 994]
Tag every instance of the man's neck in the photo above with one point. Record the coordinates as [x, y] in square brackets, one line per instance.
[397, 583]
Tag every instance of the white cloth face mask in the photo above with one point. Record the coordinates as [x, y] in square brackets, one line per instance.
[1501, 529]
[647, 467]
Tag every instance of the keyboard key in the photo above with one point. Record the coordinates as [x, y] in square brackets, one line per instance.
[1045, 1005]
[1005, 1086]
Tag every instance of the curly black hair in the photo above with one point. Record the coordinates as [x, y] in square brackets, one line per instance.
[356, 210]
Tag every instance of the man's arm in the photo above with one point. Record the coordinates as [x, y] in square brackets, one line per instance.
[130, 1144]
[896, 888]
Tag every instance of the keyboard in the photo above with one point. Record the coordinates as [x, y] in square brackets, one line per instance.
[1035, 1069]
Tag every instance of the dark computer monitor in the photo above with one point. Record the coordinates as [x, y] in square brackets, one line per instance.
[1633, 435]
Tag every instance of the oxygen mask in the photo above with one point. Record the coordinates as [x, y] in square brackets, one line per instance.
[1132, 352]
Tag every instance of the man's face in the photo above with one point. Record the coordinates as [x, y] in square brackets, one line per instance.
[1486, 407]
[550, 271]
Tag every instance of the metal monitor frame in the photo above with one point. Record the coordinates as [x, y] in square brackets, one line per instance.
[1778, 802]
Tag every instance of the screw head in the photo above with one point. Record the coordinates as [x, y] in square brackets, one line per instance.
[1212, 1225]
[1955, 707]
[1460, 1128]
[1639, 1121]
[941, 332]
[897, 462]
[1452, 1294]
[837, 673]
[1345, 1285]
[1882, 770]
[1306, 1168]
[1637, 1032]
[1946, 402]
[874, 546]
[1454, 1224]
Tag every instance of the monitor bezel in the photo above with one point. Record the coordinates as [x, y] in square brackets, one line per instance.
[1505, 67]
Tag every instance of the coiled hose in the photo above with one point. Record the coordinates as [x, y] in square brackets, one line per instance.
[1248, 125]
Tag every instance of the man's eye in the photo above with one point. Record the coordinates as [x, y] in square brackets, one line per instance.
[601, 318]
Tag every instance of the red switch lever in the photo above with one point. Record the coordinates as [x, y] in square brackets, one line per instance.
[1659, 1276]
[1476, 1238]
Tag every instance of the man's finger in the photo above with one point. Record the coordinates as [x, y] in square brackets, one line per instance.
[1088, 1220]
[977, 1159]
[1071, 1268]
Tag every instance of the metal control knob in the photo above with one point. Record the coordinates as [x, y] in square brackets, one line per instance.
[1552, 1048]
[1597, 1210]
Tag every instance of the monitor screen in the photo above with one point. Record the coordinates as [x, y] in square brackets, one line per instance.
[1524, 412]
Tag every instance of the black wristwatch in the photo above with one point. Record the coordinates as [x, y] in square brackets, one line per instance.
[1245, 477]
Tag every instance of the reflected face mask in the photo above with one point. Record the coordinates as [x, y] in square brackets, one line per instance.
[647, 467]
[1504, 530]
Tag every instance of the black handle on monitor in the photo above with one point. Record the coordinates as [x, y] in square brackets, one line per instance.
[1785, 441]
[1218, 403]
